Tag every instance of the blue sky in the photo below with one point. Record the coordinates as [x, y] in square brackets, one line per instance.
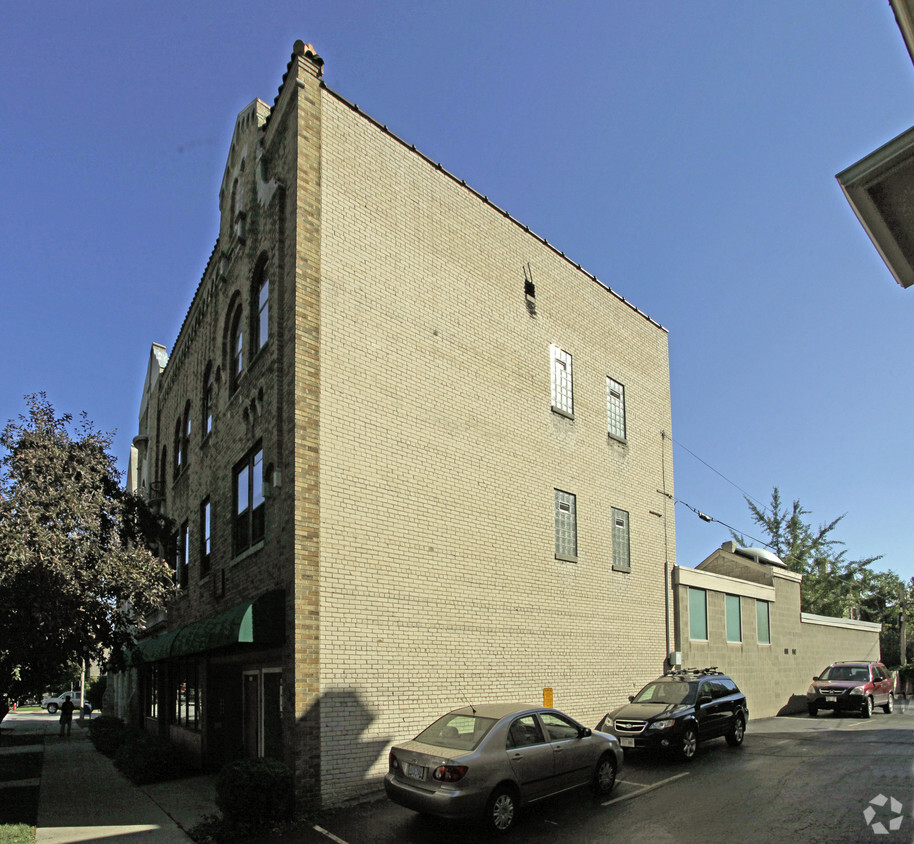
[684, 153]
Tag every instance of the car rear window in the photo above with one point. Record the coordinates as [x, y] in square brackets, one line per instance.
[456, 732]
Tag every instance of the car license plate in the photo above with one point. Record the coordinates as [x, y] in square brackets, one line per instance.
[627, 742]
[831, 698]
[415, 772]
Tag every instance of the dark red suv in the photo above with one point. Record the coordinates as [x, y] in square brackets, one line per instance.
[852, 687]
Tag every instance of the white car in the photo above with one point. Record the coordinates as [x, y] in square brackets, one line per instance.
[53, 703]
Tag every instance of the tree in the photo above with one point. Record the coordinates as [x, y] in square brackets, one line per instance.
[77, 569]
[832, 585]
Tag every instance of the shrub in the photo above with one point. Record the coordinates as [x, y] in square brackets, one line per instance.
[107, 733]
[146, 758]
[255, 791]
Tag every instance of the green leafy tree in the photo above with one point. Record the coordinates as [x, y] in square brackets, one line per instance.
[77, 562]
[832, 584]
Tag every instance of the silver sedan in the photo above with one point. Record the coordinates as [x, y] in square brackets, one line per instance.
[488, 761]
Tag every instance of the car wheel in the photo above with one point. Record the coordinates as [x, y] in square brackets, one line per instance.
[688, 743]
[735, 737]
[604, 775]
[501, 809]
[889, 704]
[812, 710]
[52, 708]
[867, 707]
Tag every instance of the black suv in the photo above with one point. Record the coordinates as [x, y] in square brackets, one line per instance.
[680, 709]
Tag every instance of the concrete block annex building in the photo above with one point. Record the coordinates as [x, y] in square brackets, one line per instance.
[415, 455]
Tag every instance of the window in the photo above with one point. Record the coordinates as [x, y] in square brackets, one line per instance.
[205, 538]
[236, 349]
[263, 314]
[763, 622]
[698, 614]
[562, 393]
[559, 728]
[249, 501]
[183, 557]
[734, 618]
[525, 732]
[185, 435]
[566, 526]
[615, 409]
[176, 469]
[151, 691]
[208, 389]
[621, 550]
[186, 709]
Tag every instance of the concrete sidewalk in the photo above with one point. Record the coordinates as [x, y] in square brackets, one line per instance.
[83, 797]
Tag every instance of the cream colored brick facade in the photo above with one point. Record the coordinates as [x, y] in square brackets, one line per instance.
[774, 676]
[404, 402]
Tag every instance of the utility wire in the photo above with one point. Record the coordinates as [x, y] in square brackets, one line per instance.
[718, 472]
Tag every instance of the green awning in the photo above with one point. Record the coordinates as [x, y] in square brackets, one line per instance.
[258, 622]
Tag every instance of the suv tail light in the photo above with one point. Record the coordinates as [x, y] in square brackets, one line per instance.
[450, 773]
[392, 761]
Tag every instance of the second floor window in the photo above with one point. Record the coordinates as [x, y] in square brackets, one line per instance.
[621, 543]
[566, 526]
[249, 524]
[183, 557]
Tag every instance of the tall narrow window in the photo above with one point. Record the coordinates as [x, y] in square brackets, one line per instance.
[263, 310]
[205, 539]
[185, 436]
[208, 389]
[183, 557]
[249, 501]
[698, 614]
[621, 550]
[237, 349]
[615, 408]
[178, 465]
[566, 526]
[734, 619]
[562, 392]
[763, 622]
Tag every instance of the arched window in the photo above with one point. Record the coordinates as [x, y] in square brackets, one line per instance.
[236, 349]
[208, 387]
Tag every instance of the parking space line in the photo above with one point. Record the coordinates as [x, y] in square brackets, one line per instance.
[329, 835]
[645, 789]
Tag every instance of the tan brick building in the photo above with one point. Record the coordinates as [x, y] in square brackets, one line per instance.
[416, 456]
[739, 610]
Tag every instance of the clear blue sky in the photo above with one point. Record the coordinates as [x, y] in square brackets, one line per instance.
[684, 153]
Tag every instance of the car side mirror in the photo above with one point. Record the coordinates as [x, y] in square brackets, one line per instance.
[815, 679]
[631, 698]
[584, 732]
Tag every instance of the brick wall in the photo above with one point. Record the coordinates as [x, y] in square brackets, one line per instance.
[439, 454]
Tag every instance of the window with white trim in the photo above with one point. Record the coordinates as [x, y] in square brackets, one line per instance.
[621, 541]
[566, 526]
[615, 408]
[562, 389]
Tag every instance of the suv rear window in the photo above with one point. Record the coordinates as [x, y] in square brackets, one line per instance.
[456, 732]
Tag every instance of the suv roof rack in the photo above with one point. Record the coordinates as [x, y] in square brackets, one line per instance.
[696, 672]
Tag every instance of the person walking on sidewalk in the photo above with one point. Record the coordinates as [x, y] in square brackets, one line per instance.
[66, 716]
